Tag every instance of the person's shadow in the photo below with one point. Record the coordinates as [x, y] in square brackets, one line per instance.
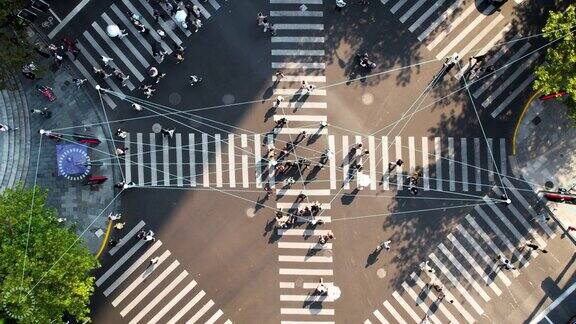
[372, 258]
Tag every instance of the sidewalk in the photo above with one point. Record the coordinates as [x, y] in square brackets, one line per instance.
[546, 154]
[79, 204]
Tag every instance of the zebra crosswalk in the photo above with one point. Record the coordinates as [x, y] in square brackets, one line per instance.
[137, 287]
[297, 49]
[472, 28]
[466, 267]
[131, 54]
[237, 160]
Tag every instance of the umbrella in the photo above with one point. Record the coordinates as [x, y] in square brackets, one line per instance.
[334, 292]
[363, 180]
[180, 16]
[113, 30]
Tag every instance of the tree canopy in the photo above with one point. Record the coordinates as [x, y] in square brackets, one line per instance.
[15, 49]
[559, 71]
[44, 267]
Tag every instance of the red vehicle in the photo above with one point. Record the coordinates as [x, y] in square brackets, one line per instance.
[560, 197]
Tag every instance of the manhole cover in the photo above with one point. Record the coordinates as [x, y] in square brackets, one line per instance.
[549, 184]
[536, 120]
[228, 99]
[250, 212]
[156, 128]
[175, 98]
[381, 273]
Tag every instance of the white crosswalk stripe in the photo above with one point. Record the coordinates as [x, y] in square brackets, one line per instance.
[134, 52]
[162, 284]
[463, 256]
[175, 160]
[461, 27]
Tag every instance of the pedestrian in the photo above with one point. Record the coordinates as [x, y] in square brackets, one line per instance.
[153, 261]
[121, 76]
[281, 122]
[300, 137]
[289, 181]
[100, 73]
[261, 19]
[114, 216]
[326, 237]
[279, 75]
[451, 61]
[179, 54]
[121, 151]
[504, 263]
[311, 88]
[425, 267]
[113, 242]
[301, 197]
[268, 190]
[147, 90]
[121, 133]
[196, 12]
[5, 128]
[272, 29]
[197, 24]
[541, 218]
[323, 124]
[266, 25]
[383, 244]
[413, 190]
[149, 236]
[156, 15]
[160, 76]
[119, 226]
[79, 82]
[339, 5]
[321, 288]
[106, 60]
[42, 112]
[399, 162]
[143, 30]
[279, 100]
[571, 228]
[137, 107]
[167, 132]
[50, 135]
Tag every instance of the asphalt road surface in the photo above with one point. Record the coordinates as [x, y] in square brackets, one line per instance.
[221, 254]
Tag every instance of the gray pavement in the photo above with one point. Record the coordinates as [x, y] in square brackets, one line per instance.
[82, 206]
[545, 153]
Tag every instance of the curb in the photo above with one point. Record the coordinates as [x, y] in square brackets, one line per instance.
[105, 240]
[519, 121]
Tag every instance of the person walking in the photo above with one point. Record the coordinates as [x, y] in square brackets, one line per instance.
[121, 133]
[153, 261]
[279, 100]
[504, 263]
[106, 60]
[289, 181]
[119, 226]
[114, 216]
[167, 132]
[326, 237]
[79, 82]
[121, 151]
[425, 267]
[100, 73]
[149, 236]
[383, 244]
[136, 107]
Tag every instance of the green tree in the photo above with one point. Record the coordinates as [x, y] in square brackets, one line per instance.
[44, 267]
[559, 71]
[15, 49]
